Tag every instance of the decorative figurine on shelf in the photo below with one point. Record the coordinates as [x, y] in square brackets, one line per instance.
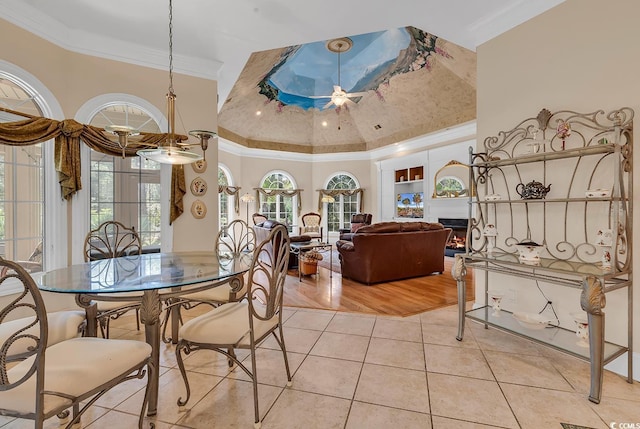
[582, 329]
[490, 232]
[604, 239]
[563, 131]
[495, 300]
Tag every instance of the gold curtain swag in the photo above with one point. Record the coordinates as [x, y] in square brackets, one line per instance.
[231, 190]
[67, 134]
[335, 192]
[285, 192]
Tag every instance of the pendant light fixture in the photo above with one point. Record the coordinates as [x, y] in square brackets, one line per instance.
[171, 151]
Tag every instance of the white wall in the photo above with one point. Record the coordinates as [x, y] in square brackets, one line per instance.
[577, 56]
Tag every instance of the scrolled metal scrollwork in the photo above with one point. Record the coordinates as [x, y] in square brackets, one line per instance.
[592, 297]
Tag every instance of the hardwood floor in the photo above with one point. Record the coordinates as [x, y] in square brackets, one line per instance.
[399, 298]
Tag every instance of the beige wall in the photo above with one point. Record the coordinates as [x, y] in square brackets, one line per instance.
[581, 56]
[249, 171]
[74, 78]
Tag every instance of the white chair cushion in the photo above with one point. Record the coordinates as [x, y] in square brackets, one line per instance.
[63, 325]
[218, 294]
[225, 325]
[74, 367]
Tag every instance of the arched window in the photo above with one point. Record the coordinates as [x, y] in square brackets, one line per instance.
[126, 189]
[279, 206]
[224, 179]
[339, 212]
[22, 208]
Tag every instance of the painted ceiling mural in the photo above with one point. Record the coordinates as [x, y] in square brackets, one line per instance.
[396, 85]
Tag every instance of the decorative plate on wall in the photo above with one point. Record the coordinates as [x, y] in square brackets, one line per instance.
[199, 166]
[198, 186]
[198, 209]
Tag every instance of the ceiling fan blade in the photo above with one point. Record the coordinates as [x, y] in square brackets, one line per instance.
[356, 94]
[319, 96]
[327, 105]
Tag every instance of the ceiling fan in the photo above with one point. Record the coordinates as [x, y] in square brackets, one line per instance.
[339, 97]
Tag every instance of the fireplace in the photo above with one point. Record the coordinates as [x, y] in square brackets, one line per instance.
[457, 240]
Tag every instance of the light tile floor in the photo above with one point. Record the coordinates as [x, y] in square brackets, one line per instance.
[355, 371]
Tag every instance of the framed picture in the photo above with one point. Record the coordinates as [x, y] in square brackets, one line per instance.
[410, 204]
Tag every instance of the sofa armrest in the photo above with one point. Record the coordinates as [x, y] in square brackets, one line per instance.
[345, 246]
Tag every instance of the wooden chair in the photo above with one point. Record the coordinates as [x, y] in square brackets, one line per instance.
[244, 324]
[236, 239]
[49, 379]
[258, 218]
[112, 239]
[312, 225]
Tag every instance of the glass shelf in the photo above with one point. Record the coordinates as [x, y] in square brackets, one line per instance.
[572, 271]
[556, 337]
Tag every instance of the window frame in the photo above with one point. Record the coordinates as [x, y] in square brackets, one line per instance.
[343, 223]
[82, 204]
[55, 222]
[293, 227]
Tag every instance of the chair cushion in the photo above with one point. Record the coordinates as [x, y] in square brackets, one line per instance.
[63, 325]
[74, 367]
[225, 325]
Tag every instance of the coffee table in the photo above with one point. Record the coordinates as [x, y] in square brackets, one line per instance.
[305, 246]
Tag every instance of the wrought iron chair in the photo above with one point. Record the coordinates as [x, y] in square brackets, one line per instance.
[235, 239]
[49, 379]
[244, 324]
[112, 239]
[312, 225]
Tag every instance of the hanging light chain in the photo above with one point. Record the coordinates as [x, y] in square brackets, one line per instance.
[170, 46]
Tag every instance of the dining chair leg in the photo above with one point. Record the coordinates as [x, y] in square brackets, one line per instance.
[183, 372]
[254, 378]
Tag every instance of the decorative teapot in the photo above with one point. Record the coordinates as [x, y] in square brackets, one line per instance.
[533, 190]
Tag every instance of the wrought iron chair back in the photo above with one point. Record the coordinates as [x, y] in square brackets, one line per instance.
[38, 386]
[111, 240]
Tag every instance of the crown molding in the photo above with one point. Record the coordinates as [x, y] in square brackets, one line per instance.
[82, 42]
[451, 135]
[507, 18]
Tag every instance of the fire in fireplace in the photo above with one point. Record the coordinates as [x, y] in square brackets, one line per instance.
[457, 240]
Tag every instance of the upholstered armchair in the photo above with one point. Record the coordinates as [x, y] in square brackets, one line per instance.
[358, 220]
[312, 225]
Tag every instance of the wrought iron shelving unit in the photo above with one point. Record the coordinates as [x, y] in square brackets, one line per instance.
[575, 153]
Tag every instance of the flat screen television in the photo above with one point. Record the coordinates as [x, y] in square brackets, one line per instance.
[410, 205]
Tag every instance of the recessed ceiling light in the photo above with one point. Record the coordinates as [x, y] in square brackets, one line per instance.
[258, 112]
[324, 123]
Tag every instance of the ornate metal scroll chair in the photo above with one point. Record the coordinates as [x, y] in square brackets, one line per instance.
[258, 218]
[244, 324]
[312, 225]
[235, 239]
[112, 239]
[49, 379]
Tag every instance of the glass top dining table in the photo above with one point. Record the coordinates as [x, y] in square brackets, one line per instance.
[156, 277]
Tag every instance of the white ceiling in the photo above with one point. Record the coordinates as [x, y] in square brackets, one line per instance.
[214, 38]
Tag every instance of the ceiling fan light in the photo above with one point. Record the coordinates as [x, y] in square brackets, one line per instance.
[169, 155]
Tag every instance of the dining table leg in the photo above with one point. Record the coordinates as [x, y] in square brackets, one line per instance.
[150, 310]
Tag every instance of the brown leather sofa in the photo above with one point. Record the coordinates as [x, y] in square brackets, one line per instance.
[388, 251]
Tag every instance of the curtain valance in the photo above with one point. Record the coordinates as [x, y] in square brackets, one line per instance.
[285, 192]
[335, 192]
[231, 190]
[68, 133]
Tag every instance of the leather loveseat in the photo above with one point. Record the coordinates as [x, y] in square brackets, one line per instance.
[388, 251]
